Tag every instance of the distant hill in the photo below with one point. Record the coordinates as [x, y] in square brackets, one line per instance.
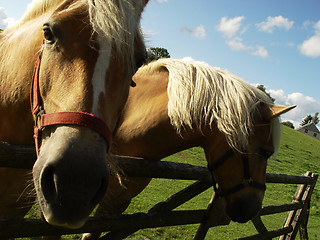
[298, 152]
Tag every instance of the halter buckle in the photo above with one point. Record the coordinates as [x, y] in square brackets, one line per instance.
[248, 182]
[37, 120]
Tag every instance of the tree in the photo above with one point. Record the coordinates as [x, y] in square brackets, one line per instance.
[315, 118]
[156, 52]
[288, 124]
[263, 89]
[309, 119]
[306, 120]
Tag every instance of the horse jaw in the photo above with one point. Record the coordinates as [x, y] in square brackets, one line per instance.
[71, 175]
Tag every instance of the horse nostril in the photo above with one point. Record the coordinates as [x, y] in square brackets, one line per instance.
[101, 191]
[48, 183]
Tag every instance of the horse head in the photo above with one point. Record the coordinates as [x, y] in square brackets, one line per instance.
[238, 126]
[240, 173]
[89, 53]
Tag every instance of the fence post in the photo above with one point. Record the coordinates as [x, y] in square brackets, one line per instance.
[304, 222]
[294, 218]
[215, 216]
[163, 207]
[15, 156]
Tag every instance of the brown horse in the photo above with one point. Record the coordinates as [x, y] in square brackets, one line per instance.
[179, 105]
[86, 52]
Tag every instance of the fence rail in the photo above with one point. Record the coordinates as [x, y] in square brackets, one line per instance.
[162, 214]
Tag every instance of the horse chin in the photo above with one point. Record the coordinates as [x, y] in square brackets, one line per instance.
[70, 175]
[243, 208]
[51, 219]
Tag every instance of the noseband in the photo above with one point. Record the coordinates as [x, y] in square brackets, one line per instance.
[247, 180]
[41, 119]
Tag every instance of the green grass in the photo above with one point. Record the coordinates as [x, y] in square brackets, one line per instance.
[298, 153]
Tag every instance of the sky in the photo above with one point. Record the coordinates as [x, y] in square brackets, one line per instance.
[275, 43]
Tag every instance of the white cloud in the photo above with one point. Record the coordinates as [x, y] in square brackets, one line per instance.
[148, 33]
[272, 22]
[306, 24]
[198, 32]
[290, 44]
[230, 27]
[4, 20]
[317, 27]
[260, 51]
[236, 44]
[161, 1]
[311, 46]
[192, 60]
[279, 95]
[305, 105]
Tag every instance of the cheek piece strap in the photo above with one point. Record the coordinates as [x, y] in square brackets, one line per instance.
[246, 182]
[42, 119]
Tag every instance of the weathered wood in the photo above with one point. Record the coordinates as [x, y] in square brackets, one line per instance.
[181, 197]
[303, 232]
[258, 224]
[139, 167]
[288, 179]
[216, 216]
[32, 227]
[166, 206]
[294, 218]
[17, 156]
[272, 209]
[268, 235]
[291, 215]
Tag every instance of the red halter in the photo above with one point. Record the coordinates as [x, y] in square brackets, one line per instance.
[41, 119]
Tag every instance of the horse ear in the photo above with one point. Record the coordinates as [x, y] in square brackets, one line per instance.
[278, 110]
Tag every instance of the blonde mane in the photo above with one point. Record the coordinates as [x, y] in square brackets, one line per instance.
[35, 9]
[199, 94]
[114, 20]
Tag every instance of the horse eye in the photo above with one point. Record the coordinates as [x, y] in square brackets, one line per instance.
[48, 36]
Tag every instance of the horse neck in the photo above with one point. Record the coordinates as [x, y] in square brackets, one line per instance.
[146, 130]
[215, 144]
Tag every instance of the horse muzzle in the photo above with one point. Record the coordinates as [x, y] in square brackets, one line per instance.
[71, 174]
[243, 208]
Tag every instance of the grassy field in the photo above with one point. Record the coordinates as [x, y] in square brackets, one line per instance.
[298, 153]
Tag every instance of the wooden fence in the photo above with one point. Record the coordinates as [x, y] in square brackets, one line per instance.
[163, 214]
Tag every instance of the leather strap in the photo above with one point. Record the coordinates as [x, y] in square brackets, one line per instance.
[247, 180]
[221, 160]
[41, 119]
[77, 118]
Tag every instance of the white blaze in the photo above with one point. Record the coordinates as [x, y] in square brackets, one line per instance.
[100, 71]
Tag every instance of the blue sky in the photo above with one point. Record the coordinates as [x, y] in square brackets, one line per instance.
[271, 42]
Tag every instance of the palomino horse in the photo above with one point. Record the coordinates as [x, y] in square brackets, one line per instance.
[86, 52]
[178, 105]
